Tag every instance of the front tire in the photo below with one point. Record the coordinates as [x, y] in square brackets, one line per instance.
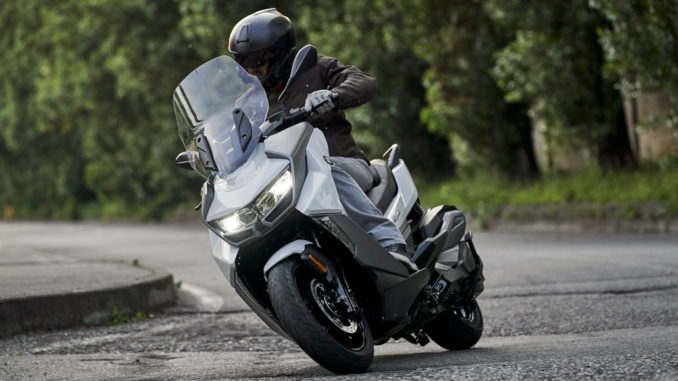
[459, 328]
[305, 309]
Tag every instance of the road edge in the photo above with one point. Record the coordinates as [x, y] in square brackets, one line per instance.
[86, 307]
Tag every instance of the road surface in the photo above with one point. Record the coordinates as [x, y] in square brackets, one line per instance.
[556, 306]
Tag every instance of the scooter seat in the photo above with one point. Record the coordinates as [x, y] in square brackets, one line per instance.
[384, 188]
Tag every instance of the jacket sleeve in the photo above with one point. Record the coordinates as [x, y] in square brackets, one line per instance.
[353, 86]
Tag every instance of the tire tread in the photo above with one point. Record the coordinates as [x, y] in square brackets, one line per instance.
[300, 324]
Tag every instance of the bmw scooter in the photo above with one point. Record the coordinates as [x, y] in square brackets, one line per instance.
[283, 240]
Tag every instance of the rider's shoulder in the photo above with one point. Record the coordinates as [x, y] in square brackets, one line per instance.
[327, 61]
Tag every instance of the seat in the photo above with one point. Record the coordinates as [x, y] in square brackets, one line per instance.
[384, 188]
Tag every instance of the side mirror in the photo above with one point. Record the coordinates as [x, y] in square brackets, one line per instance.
[186, 159]
[305, 59]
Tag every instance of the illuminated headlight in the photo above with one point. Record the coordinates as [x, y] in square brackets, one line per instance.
[238, 221]
[275, 192]
[266, 201]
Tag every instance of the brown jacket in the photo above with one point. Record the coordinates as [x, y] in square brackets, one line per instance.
[354, 88]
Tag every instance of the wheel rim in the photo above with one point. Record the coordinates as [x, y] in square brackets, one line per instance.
[324, 301]
[465, 314]
[346, 331]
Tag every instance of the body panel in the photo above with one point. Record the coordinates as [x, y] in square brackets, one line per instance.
[319, 195]
[404, 199]
[241, 187]
[225, 255]
[291, 144]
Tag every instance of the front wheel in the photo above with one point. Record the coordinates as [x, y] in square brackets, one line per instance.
[313, 314]
[458, 328]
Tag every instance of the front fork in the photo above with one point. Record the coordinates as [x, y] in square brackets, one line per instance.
[325, 269]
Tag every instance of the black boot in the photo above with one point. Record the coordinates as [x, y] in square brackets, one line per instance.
[399, 252]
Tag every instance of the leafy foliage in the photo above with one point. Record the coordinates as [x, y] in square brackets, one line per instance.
[457, 40]
[372, 38]
[88, 116]
[640, 42]
[85, 104]
[555, 64]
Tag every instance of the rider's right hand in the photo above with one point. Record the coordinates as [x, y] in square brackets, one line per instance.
[319, 102]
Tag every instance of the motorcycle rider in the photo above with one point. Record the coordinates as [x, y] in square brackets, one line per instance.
[264, 44]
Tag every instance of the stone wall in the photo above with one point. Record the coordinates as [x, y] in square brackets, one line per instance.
[649, 135]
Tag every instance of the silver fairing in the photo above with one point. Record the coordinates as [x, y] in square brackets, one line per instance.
[317, 194]
[236, 190]
[405, 197]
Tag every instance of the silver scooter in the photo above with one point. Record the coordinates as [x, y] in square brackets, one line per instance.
[283, 240]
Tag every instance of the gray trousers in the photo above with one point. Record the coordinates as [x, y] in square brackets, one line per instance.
[352, 176]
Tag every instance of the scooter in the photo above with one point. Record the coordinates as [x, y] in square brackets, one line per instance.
[283, 240]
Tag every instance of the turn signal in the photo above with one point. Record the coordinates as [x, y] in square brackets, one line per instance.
[317, 263]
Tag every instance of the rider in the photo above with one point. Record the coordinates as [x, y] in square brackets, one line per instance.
[264, 44]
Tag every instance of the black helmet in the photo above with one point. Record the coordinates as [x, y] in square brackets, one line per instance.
[261, 36]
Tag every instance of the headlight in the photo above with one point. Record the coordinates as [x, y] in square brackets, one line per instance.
[245, 218]
[238, 221]
[275, 192]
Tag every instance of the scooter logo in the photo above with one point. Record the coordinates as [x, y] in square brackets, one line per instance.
[396, 214]
[328, 160]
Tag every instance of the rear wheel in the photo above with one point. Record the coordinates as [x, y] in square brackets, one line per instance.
[314, 315]
[459, 328]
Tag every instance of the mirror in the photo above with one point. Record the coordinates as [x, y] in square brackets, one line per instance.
[305, 59]
[186, 159]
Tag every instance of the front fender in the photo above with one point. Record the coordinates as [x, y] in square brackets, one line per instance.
[292, 248]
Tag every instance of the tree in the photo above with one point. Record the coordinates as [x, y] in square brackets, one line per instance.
[371, 36]
[89, 105]
[457, 40]
[640, 40]
[555, 61]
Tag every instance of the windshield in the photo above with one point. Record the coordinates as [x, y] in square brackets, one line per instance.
[203, 104]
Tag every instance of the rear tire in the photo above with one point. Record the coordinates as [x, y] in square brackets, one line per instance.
[298, 298]
[457, 329]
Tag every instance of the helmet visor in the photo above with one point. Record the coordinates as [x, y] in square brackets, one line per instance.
[254, 59]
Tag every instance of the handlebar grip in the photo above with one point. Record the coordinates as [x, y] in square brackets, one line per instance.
[297, 115]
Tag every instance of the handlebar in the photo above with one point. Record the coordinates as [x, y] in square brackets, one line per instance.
[298, 115]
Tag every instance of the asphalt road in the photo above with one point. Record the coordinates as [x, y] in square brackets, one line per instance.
[556, 306]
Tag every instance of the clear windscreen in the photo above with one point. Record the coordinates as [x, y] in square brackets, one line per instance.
[203, 105]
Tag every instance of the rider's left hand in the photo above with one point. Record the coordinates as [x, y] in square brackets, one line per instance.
[319, 102]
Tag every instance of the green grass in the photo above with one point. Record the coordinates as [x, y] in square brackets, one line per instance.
[118, 318]
[483, 195]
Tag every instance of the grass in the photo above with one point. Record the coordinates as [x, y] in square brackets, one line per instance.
[485, 194]
[118, 318]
